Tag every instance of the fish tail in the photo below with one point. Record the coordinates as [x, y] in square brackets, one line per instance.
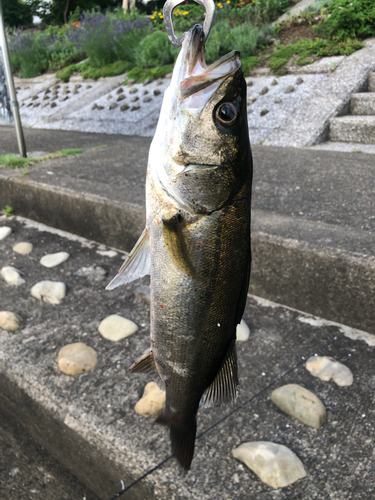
[182, 438]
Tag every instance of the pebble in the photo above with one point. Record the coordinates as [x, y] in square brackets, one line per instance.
[133, 90]
[263, 91]
[135, 107]
[274, 82]
[159, 81]
[131, 82]
[134, 99]
[4, 232]
[92, 273]
[147, 99]
[77, 86]
[54, 259]
[49, 291]
[115, 327]
[113, 105]
[88, 86]
[299, 80]
[152, 401]
[121, 97]
[63, 98]
[142, 294]
[145, 92]
[277, 100]
[157, 92]
[53, 105]
[124, 107]
[12, 276]
[289, 89]
[264, 112]
[243, 331]
[109, 97]
[46, 97]
[10, 321]
[274, 464]
[94, 106]
[56, 87]
[251, 99]
[120, 90]
[301, 404]
[77, 358]
[250, 83]
[45, 104]
[327, 369]
[34, 98]
[23, 248]
[146, 82]
[36, 104]
[99, 108]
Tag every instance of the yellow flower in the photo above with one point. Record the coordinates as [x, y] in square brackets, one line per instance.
[219, 5]
[228, 1]
[186, 12]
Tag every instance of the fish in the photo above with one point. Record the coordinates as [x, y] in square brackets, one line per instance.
[196, 243]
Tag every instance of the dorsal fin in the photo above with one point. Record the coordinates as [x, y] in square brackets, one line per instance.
[224, 388]
[136, 265]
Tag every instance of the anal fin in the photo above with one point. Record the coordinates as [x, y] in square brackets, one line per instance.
[224, 388]
[146, 364]
[136, 265]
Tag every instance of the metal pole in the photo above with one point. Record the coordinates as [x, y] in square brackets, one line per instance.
[13, 97]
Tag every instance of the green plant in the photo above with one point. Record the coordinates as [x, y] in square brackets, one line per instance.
[13, 161]
[140, 74]
[8, 211]
[348, 19]
[248, 63]
[156, 50]
[16, 12]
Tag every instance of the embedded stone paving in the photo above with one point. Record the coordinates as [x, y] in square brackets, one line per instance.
[88, 419]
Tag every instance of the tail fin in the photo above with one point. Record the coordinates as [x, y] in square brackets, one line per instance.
[182, 439]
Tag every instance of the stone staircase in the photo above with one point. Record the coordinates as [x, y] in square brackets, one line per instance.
[359, 125]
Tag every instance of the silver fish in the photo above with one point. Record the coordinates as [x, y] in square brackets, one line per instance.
[196, 244]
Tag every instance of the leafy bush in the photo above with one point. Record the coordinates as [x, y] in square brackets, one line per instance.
[140, 74]
[28, 53]
[156, 50]
[16, 13]
[87, 71]
[106, 38]
[244, 37]
[349, 19]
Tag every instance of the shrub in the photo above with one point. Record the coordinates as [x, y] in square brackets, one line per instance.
[28, 53]
[16, 12]
[105, 38]
[349, 19]
[156, 50]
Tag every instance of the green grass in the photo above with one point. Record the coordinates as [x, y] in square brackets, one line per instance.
[13, 161]
[248, 63]
[308, 50]
[8, 211]
[140, 75]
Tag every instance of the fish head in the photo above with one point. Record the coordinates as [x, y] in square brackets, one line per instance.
[200, 154]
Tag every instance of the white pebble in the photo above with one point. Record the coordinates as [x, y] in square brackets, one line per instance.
[54, 259]
[49, 291]
[327, 369]
[274, 464]
[10, 321]
[152, 401]
[243, 331]
[4, 232]
[115, 327]
[77, 358]
[23, 248]
[301, 404]
[12, 276]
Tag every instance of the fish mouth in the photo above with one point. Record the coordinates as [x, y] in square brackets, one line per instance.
[196, 75]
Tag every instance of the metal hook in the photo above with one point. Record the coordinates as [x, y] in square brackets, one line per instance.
[169, 5]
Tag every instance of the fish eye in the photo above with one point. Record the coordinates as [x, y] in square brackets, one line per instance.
[226, 114]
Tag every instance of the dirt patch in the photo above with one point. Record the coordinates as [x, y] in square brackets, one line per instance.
[294, 33]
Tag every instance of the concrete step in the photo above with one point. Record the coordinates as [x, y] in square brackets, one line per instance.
[352, 129]
[312, 234]
[371, 82]
[363, 104]
[88, 421]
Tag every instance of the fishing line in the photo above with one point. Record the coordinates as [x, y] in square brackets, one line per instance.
[237, 408]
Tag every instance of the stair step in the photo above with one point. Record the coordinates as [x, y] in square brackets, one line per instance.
[371, 82]
[363, 104]
[353, 129]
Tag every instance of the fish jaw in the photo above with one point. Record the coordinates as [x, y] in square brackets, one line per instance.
[193, 89]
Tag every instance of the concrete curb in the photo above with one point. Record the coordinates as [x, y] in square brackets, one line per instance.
[307, 274]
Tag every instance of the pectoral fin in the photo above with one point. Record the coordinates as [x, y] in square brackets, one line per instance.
[224, 388]
[176, 245]
[136, 265]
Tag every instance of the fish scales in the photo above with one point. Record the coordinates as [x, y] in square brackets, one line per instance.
[196, 245]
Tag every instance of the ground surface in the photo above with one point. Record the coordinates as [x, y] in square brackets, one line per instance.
[99, 405]
[29, 472]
